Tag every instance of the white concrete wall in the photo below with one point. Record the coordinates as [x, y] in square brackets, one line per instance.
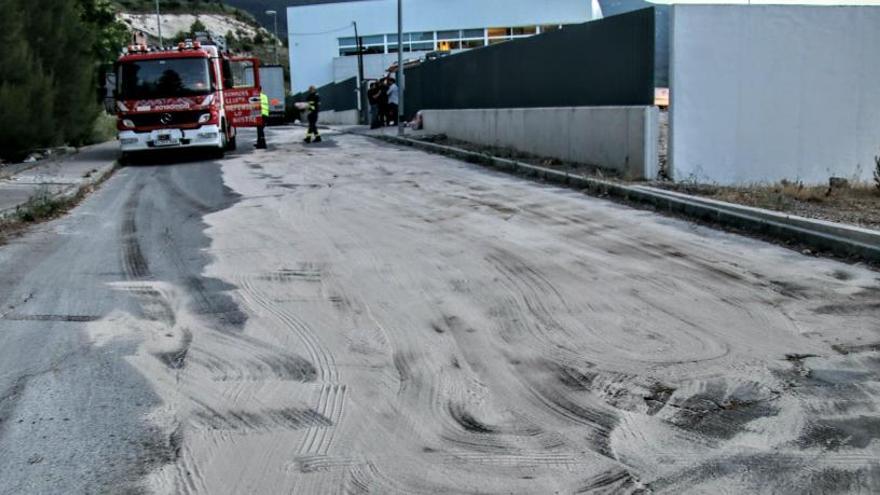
[314, 30]
[615, 138]
[764, 93]
[332, 117]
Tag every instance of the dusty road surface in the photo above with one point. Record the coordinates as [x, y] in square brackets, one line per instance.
[356, 318]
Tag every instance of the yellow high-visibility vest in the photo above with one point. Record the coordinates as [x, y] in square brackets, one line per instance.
[264, 104]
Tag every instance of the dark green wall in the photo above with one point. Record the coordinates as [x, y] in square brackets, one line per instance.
[599, 63]
[661, 36]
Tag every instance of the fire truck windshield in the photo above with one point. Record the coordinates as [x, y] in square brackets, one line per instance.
[164, 78]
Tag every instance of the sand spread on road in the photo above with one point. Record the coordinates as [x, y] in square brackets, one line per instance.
[415, 324]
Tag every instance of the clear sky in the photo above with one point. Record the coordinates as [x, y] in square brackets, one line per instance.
[778, 2]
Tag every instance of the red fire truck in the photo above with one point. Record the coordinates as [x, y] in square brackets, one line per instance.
[193, 96]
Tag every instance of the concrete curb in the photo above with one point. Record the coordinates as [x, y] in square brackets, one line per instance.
[838, 239]
[73, 190]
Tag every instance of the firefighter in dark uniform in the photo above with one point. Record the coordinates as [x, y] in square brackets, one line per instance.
[314, 102]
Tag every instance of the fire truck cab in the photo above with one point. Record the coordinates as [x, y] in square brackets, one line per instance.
[193, 96]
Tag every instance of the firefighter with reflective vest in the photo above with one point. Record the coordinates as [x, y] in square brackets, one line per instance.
[314, 107]
[264, 111]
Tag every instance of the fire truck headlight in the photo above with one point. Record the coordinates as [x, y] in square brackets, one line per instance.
[204, 118]
[127, 123]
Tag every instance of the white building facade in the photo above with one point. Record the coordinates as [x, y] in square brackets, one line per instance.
[323, 45]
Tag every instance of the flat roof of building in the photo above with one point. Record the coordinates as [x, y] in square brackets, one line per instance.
[303, 3]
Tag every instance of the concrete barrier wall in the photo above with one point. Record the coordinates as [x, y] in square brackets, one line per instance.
[347, 117]
[623, 139]
[764, 93]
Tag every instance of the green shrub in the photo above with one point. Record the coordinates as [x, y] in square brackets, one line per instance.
[38, 207]
[103, 130]
[877, 172]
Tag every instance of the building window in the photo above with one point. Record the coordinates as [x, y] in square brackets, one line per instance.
[392, 43]
[368, 50]
[550, 27]
[373, 40]
[412, 42]
[464, 39]
[422, 41]
[499, 33]
[423, 47]
[448, 45]
[524, 31]
[426, 36]
[473, 33]
[448, 40]
[370, 44]
[448, 35]
[468, 44]
[373, 44]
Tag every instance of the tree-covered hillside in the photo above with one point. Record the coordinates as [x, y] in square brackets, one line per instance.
[52, 53]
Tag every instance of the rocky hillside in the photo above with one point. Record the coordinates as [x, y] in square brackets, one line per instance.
[174, 23]
[180, 18]
[258, 8]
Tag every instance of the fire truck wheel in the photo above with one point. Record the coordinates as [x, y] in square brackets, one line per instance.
[230, 141]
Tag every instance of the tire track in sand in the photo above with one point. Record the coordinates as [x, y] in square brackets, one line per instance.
[330, 398]
[134, 263]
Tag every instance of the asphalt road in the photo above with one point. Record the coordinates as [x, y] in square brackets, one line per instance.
[352, 317]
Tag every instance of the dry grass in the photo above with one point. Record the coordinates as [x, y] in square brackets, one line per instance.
[42, 206]
[877, 173]
[857, 204]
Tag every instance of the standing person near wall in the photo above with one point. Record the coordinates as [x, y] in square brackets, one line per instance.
[373, 98]
[382, 87]
[393, 101]
[314, 102]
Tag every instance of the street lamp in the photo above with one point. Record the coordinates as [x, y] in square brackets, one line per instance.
[159, 25]
[400, 82]
[274, 15]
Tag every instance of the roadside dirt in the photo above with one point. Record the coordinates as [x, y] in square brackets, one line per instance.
[855, 205]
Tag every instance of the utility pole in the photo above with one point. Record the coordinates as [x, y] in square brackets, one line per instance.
[274, 15]
[400, 67]
[159, 25]
[360, 73]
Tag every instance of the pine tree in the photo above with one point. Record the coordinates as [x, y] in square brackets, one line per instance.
[27, 92]
[48, 66]
[197, 27]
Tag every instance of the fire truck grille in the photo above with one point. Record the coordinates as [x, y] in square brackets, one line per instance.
[169, 119]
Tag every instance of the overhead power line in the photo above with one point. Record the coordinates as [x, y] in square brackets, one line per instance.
[343, 28]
